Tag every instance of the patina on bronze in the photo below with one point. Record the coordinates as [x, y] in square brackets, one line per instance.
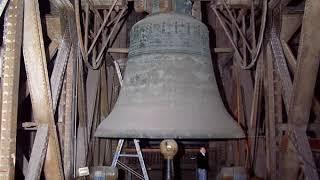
[169, 88]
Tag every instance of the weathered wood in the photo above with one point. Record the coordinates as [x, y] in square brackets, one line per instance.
[92, 83]
[61, 116]
[10, 68]
[69, 123]
[303, 89]
[281, 65]
[307, 65]
[106, 42]
[78, 25]
[38, 83]
[61, 4]
[291, 60]
[38, 153]
[271, 148]
[101, 27]
[196, 10]
[304, 152]
[257, 162]
[256, 99]
[118, 50]
[290, 24]
[54, 33]
[82, 141]
[86, 28]
[96, 121]
[56, 79]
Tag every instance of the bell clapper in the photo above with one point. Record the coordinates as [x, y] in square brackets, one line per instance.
[169, 149]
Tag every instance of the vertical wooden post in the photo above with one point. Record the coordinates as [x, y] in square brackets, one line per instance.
[39, 86]
[303, 88]
[10, 87]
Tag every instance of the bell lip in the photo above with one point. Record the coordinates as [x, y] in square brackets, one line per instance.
[156, 134]
[169, 52]
[184, 138]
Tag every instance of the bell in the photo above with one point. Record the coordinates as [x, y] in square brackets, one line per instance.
[169, 88]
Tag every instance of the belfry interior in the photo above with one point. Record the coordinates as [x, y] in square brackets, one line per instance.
[141, 89]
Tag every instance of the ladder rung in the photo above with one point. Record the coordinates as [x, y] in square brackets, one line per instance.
[129, 155]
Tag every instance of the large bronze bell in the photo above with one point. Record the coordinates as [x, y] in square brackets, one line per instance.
[169, 88]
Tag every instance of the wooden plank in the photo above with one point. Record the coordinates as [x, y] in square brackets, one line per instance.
[82, 141]
[303, 92]
[61, 4]
[290, 24]
[292, 65]
[95, 146]
[272, 172]
[38, 153]
[281, 66]
[56, 79]
[69, 122]
[291, 60]
[10, 67]
[307, 67]
[304, 153]
[92, 83]
[39, 86]
[118, 50]
[196, 10]
[61, 117]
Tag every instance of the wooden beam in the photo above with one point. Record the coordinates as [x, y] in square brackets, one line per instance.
[118, 50]
[56, 78]
[290, 24]
[61, 4]
[303, 91]
[69, 121]
[292, 62]
[271, 116]
[10, 66]
[39, 86]
[38, 153]
[307, 67]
